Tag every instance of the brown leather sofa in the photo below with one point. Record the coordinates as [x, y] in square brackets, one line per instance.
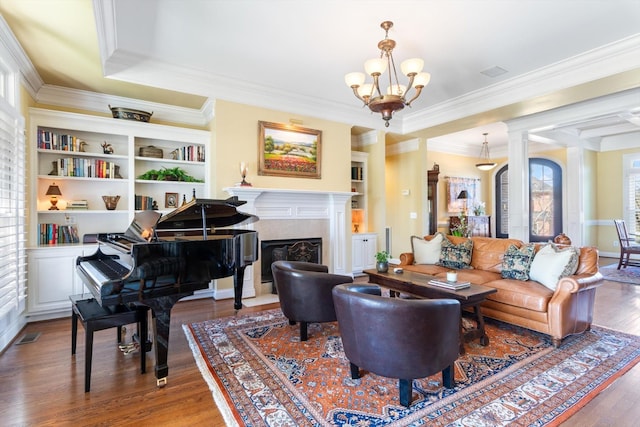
[565, 311]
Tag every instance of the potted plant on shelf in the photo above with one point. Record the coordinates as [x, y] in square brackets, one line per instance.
[382, 261]
[168, 174]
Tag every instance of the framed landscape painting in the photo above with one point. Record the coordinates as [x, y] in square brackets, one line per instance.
[288, 150]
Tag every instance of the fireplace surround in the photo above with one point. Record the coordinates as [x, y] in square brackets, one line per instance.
[293, 214]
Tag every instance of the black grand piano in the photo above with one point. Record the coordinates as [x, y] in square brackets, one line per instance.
[158, 261]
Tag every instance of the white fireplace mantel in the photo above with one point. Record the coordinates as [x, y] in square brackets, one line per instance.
[290, 204]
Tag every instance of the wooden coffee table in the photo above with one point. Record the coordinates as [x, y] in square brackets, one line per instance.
[417, 284]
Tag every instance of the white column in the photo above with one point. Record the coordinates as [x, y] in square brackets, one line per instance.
[574, 195]
[519, 185]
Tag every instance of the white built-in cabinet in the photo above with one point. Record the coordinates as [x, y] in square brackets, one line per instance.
[76, 141]
[364, 248]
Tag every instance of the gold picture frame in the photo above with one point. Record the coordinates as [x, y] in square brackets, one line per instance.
[289, 150]
[171, 200]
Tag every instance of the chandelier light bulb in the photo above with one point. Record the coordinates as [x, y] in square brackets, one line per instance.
[375, 66]
[354, 79]
[421, 80]
[412, 66]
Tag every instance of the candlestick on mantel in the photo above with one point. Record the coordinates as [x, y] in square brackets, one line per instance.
[243, 173]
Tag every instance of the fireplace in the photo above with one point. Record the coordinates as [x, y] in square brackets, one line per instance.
[305, 249]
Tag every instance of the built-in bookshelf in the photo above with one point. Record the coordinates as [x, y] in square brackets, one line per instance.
[359, 190]
[88, 157]
[84, 158]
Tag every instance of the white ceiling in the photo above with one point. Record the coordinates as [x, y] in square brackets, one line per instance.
[292, 55]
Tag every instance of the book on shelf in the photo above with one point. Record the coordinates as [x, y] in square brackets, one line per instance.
[54, 234]
[450, 285]
[78, 204]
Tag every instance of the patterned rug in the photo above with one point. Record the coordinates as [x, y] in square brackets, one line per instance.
[625, 275]
[260, 374]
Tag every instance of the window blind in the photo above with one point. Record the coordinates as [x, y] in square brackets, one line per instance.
[12, 213]
[632, 208]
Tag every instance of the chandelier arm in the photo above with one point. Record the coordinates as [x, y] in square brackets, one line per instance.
[418, 92]
[355, 92]
[409, 85]
[376, 84]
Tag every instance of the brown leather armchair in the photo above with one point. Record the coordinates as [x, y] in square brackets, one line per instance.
[304, 290]
[398, 338]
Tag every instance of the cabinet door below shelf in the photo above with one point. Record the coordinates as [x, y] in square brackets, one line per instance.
[52, 278]
[364, 247]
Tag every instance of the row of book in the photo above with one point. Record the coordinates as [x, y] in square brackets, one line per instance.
[356, 173]
[450, 285]
[144, 203]
[48, 140]
[55, 234]
[191, 153]
[85, 168]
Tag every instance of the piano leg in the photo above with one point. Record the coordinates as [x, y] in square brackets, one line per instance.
[161, 307]
[238, 281]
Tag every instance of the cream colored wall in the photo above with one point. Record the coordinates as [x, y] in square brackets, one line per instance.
[236, 140]
[609, 197]
[403, 172]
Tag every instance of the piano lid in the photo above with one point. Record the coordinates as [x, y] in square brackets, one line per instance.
[216, 213]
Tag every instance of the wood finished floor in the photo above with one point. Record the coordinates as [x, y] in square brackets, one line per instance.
[42, 385]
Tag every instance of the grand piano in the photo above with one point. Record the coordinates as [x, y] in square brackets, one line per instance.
[159, 260]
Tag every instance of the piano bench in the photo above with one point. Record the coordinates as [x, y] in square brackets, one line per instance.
[94, 317]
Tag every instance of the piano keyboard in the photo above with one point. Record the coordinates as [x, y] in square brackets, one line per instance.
[105, 269]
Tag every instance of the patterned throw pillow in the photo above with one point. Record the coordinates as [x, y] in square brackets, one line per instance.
[456, 256]
[427, 251]
[517, 262]
[551, 263]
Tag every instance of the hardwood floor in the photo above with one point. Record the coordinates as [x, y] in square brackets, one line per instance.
[42, 384]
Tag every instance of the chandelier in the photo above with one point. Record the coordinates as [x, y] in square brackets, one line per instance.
[394, 98]
[486, 164]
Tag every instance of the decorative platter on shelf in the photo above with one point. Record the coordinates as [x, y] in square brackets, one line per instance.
[130, 114]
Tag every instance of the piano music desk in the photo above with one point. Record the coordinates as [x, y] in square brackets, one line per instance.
[94, 317]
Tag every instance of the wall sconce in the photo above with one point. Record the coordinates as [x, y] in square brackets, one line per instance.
[54, 192]
[464, 196]
[357, 217]
[243, 173]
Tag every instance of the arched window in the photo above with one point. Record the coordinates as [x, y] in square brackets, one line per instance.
[545, 200]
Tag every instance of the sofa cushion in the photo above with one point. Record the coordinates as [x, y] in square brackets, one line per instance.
[517, 262]
[488, 252]
[430, 269]
[529, 295]
[427, 251]
[456, 255]
[552, 263]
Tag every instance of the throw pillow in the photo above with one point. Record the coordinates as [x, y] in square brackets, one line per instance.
[456, 256]
[552, 263]
[427, 251]
[516, 263]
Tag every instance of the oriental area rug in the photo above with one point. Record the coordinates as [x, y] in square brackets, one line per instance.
[629, 275]
[260, 374]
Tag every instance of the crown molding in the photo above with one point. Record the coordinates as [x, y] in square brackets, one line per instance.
[408, 146]
[98, 102]
[364, 139]
[28, 74]
[614, 58]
